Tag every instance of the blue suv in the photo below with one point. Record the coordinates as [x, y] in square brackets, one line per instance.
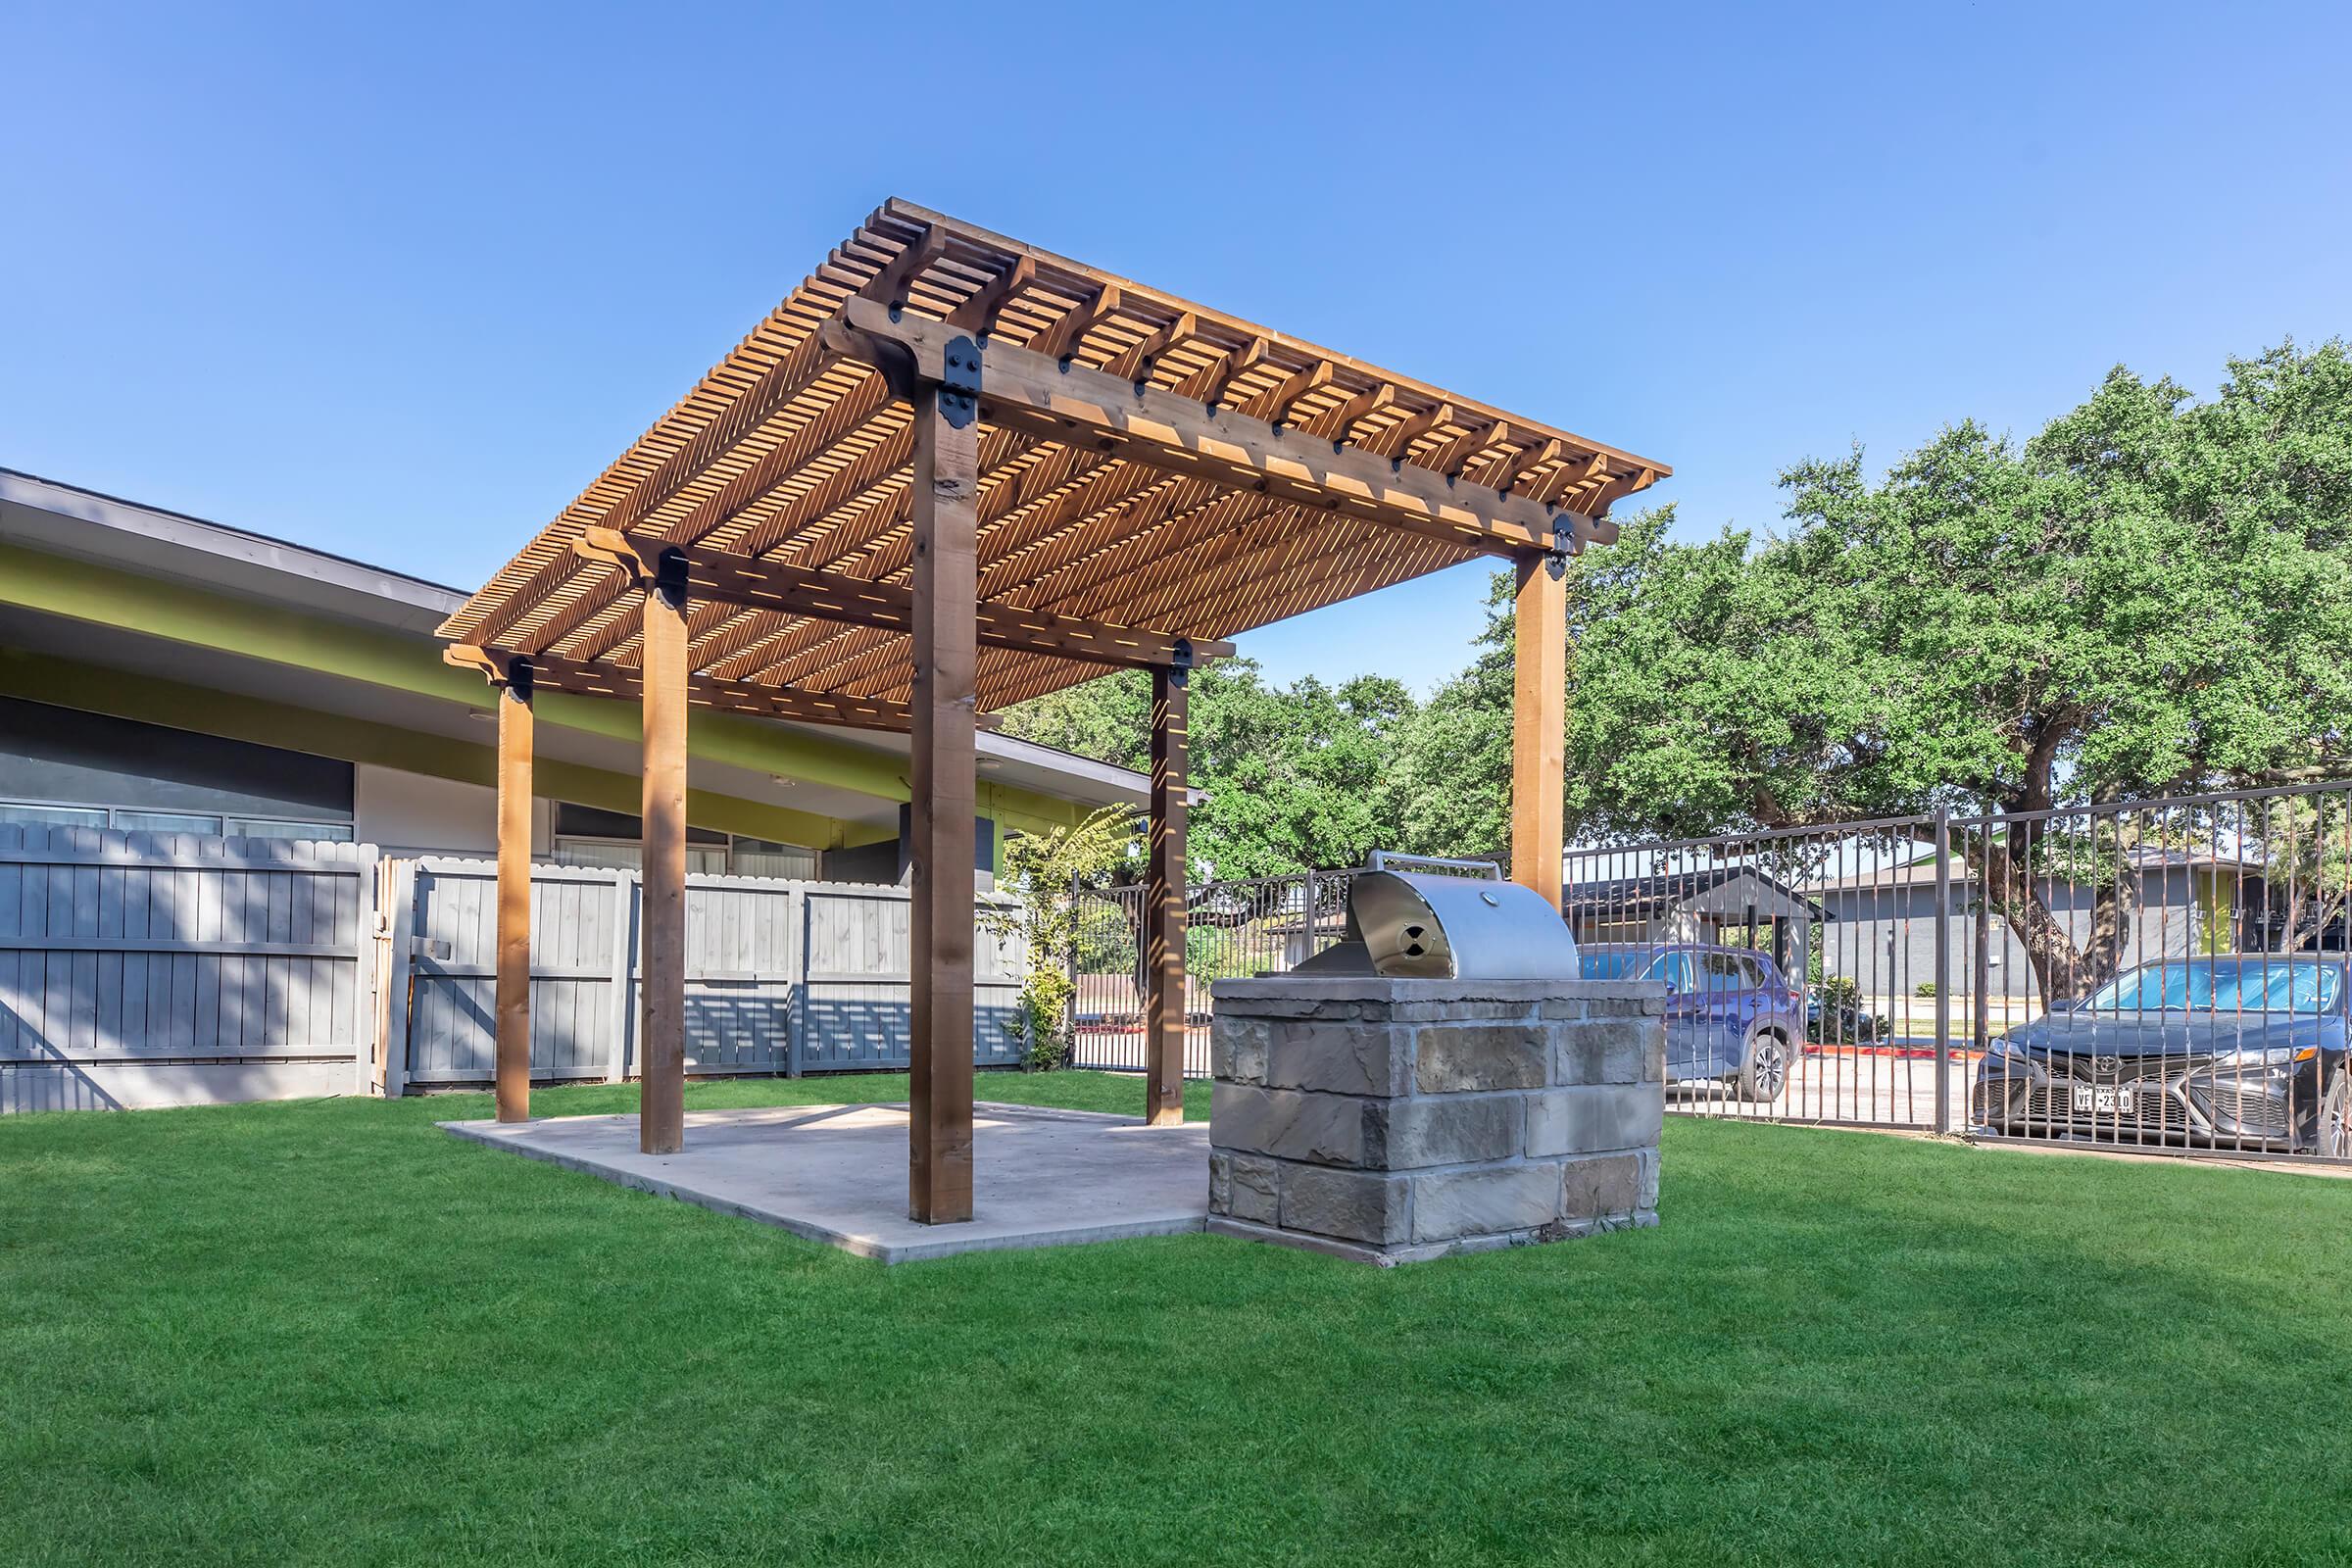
[1731, 1015]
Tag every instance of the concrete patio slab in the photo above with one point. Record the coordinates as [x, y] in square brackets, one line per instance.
[838, 1173]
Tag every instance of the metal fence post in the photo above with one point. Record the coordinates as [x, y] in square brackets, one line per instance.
[1984, 965]
[1943, 968]
[1069, 1005]
[1310, 913]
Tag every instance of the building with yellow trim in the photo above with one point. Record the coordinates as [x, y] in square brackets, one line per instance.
[162, 673]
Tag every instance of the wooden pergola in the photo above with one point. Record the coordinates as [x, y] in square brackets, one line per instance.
[951, 472]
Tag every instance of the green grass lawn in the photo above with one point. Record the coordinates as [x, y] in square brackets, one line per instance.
[328, 1332]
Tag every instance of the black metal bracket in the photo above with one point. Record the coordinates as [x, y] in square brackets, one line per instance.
[960, 382]
[1555, 562]
[670, 578]
[1180, 663]
[523, 677]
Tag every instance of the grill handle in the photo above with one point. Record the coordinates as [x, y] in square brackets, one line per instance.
[1383, 860]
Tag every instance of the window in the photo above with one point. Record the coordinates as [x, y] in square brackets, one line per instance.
[166, 822]
[2247, 984]
[125, 820]
[1675, 970]
[702, 859]
[766, 857]
[1723, 972]
[52, 815]
[267, 827]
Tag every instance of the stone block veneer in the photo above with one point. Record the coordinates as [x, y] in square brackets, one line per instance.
[1395, 1120]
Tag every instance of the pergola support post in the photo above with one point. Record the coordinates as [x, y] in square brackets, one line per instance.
[1165, 899]
[662, 920]
[946, 490]
[513, 983]
[1540, 723]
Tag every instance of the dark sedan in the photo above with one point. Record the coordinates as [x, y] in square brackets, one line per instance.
[2234, 1051]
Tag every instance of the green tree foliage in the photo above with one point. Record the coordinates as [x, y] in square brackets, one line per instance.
[2153, 594]
[1447, 788]
[1292, 774]
[1046, 868]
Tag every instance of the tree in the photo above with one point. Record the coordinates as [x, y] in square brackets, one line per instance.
[1047, 869]
[2305, 845]
[1291, 774]
[1446, 789]
[2152, 595]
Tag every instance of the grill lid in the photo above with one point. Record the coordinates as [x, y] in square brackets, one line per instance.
[1415, 926]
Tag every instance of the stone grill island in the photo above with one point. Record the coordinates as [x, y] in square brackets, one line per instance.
[1396, 1117]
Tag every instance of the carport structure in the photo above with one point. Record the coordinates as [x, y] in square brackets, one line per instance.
[951, 472]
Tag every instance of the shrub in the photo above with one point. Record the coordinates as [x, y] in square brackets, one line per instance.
[1043, 867]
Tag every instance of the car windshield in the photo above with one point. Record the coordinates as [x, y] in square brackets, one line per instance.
[1614, 965]
[2222, 985]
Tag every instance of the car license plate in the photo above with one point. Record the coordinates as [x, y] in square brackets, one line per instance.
[2100, 1100]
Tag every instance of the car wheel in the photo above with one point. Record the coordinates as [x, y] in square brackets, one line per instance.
[1765, 1073]
[2335, 1118]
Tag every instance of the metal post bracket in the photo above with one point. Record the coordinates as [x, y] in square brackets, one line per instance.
[512, 671]
[960, 382]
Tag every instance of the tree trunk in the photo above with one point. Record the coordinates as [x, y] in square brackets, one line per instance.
[2062, 970]
[2311, 915]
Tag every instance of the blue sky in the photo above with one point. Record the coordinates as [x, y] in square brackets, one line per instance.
[397, 281]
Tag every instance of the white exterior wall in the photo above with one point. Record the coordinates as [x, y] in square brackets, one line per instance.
[411, 813]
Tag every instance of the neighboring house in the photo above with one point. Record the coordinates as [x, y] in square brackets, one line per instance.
[1721, 903]
[1882, 930]
[162, 672]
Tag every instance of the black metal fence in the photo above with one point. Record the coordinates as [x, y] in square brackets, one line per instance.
[2161, 975]
[1232, 930]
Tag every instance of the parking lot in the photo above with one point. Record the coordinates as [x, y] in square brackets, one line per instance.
[1893, 1088]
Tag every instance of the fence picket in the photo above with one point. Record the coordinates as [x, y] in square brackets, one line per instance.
[784, 976]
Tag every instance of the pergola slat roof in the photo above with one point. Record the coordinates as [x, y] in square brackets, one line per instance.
[1147, 466]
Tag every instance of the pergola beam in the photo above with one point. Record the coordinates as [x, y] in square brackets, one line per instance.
[1161, 429]
[726, 577]
[793, 703]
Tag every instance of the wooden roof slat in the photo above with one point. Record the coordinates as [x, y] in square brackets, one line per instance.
[1138, 358]
[891, 543]
[1068, 334]
[1337, 422]
[1298, 478]
[1391, 440]
[844, 421]
[812, 663]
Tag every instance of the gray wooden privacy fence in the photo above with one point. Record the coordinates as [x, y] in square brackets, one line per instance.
[165, 968]
[781, 976]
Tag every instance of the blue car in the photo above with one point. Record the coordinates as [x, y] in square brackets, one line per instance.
[2240, 1050]
[1731, 1015]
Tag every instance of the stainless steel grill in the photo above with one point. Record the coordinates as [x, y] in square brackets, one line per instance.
[1472, 925]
